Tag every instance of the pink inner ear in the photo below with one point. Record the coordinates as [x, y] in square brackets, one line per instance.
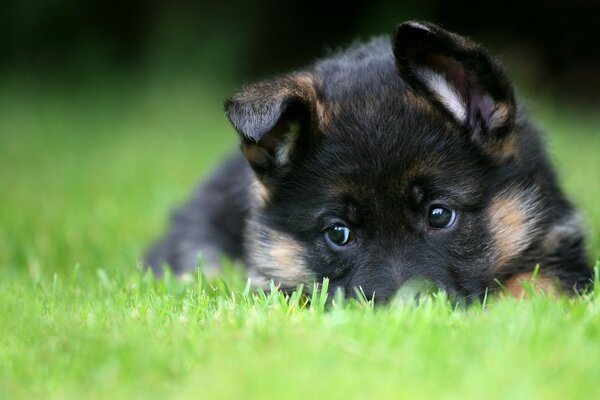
[454, 73]
[479, 104]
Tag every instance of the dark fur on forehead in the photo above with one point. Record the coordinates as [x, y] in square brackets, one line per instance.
[362, 70]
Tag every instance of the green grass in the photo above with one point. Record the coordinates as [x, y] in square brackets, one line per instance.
[87, 178]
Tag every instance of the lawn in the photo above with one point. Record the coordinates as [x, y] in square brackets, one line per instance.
[88, 175]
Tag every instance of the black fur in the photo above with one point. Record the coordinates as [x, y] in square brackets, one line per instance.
[209, 223]
[364, 139]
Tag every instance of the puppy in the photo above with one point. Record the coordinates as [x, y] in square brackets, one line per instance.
[394, 160]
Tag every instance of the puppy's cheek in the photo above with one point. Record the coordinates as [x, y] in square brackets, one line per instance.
[519, 285]
[277, 256]
[513, 220]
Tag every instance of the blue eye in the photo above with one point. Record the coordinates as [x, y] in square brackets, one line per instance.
[440, 217]
[338, 236]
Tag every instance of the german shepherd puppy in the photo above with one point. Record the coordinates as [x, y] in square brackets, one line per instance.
[390, 161]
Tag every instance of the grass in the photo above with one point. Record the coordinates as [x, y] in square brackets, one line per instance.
[88, 176]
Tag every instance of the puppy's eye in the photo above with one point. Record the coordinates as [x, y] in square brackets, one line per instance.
[338, 236]
[441, 217]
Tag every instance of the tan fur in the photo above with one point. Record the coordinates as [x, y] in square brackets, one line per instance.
[261, 193]
[325, 111]
[305, 82]
[419, 101]
[504, 148]
[305, 85]
[512, 218]
[277, 255]
[420, 168]
[542, 284]
[500, 115]
[254, 154]
[509, 146]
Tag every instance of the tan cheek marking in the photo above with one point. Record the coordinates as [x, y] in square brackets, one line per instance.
[275, 255]
[508, 229]
[512, 221]
[542, 284]
[288, 256]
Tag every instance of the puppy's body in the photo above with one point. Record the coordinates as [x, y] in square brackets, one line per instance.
[385, 163]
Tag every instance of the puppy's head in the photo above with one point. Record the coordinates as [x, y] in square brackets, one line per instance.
[388, 163]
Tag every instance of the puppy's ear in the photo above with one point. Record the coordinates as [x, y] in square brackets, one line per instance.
[458, 75]
[274, 120]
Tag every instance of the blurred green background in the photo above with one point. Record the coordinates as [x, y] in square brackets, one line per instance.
[553, 44]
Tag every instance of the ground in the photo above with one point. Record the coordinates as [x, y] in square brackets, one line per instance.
[88, 176]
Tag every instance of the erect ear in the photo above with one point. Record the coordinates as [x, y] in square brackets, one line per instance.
[274, 119]
[458, 75]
